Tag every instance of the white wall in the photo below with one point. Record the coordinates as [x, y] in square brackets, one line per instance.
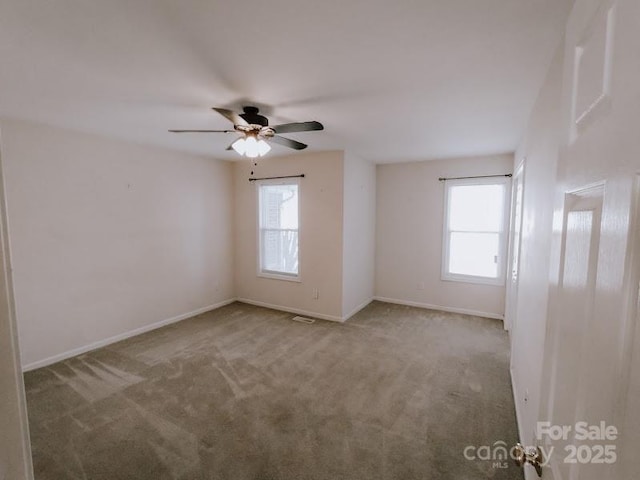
[320, 237]
[359, 230]
[409, 222]
[15, 454]
[540, 148]
[109, 237]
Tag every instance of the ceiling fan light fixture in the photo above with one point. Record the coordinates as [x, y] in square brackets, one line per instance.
[263, 148]
[251, 147]
[239, 146]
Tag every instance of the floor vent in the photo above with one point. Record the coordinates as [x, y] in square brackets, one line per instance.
[303, 319]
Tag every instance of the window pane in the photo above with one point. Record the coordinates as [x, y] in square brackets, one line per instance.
[474, 254]
[279, 251]
[476, 207]
[279, 206]
[279, 228]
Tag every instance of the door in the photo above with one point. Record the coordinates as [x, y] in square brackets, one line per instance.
[590, 342]
[515, 235]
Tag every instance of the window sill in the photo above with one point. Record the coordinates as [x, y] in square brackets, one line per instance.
[496, 282]
[277, 276]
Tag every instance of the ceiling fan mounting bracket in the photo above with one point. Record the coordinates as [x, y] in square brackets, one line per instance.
[252, 117]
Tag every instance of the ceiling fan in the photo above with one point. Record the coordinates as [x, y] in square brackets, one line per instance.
[256, 132]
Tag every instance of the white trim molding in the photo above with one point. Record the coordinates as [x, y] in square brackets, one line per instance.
[154, 326]
[298, 311]
[260, 272]
[518, 408]
[464, 311]
[122, 336]
[357, 309]
[503, 233]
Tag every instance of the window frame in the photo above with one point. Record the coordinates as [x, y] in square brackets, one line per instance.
[274, 275]
[503, 240]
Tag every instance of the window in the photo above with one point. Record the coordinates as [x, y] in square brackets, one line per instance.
[475, 240]
[278, 230]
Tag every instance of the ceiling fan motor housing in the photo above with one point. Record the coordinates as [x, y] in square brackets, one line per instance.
[252, 116]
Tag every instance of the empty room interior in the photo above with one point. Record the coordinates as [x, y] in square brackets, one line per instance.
[319, 240]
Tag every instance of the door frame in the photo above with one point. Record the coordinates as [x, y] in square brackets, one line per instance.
[631, 343]
[20, 468]
[511, 293]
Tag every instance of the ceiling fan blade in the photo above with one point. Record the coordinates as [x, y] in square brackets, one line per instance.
[287, 142]
[298, 127]
[202, 131]
[233, 117]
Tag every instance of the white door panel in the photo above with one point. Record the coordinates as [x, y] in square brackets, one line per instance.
[591, 360]
[574, 307]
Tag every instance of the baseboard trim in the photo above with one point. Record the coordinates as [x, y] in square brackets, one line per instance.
[357, 309]
[442, 308]
[122, 336]
[516, 396]
[298, 311]
[333, 318]
[524, 437]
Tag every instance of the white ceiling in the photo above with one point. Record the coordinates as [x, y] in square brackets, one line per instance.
[390, 80]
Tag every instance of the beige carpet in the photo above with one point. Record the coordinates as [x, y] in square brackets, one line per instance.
[245, 393]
